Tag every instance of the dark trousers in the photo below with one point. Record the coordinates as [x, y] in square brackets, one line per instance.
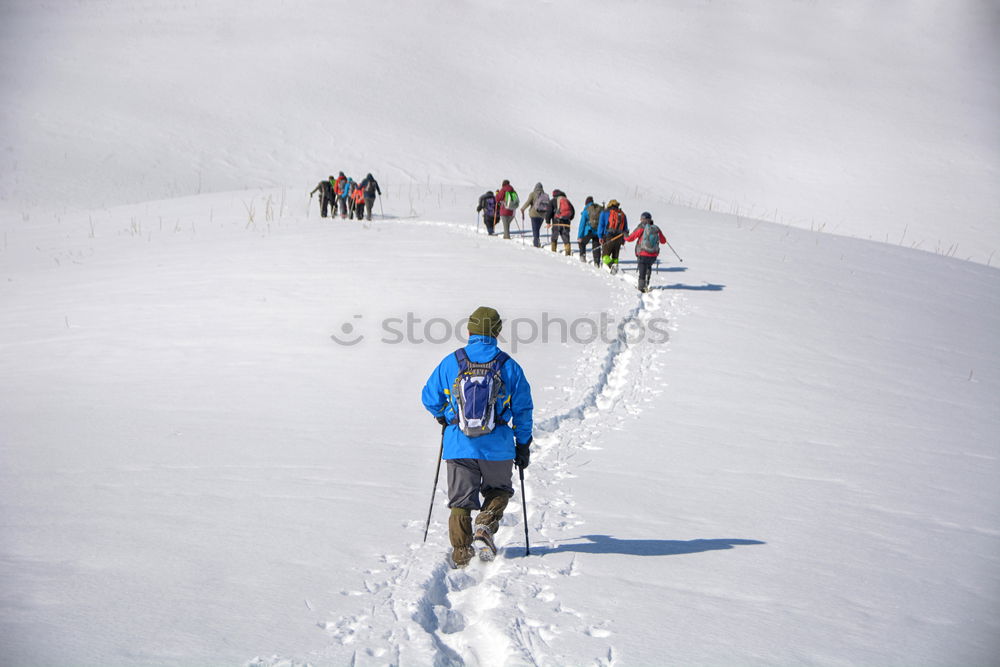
[645, 270]
[560, 230]
[324, 203]
[490, 221]
[536, 230]
[470, 478]
[595, 245]
[368, 207]
[612, 246]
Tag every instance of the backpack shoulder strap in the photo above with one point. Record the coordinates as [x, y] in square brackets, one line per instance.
[499, 360]
[463, 358]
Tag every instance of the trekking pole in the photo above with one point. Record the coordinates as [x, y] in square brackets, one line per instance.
[524, 507]
[673, 251]
[380, 209]
[436, 475]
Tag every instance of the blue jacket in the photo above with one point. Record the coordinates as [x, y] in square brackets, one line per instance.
[602, 228]
[514, 406]
[587, 227]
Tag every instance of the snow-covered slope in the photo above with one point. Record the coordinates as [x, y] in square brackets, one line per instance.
[872, 121]
[786, 453]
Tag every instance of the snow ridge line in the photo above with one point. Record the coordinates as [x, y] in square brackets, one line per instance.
[495, 613]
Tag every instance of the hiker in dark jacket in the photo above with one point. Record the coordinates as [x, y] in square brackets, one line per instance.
[589, 222]
[480, 465]
[325, 189]
[371, 190]
[562, 218]
[647, 249]
[488, 206]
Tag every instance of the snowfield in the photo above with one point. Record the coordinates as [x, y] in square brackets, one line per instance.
[212, 449]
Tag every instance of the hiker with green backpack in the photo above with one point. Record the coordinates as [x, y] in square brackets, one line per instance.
[507, 202]
[647, 249]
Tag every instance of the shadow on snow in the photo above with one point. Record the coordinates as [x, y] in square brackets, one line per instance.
[707, 287]
[605, 544]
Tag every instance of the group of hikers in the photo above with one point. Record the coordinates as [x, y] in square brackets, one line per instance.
[353, 199]
[603, 227]
[480, 395]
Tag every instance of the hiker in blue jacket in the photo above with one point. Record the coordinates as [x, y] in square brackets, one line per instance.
[480, 464]
[344, 197]
[612, 231]
[589, 221]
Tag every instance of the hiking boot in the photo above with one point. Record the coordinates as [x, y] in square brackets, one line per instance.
[483, 544]
[460, 557]
[494, 503]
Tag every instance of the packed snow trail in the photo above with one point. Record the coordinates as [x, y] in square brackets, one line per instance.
[414, 609]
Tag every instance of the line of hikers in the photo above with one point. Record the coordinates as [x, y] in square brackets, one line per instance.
[604, 227]
[355, 200]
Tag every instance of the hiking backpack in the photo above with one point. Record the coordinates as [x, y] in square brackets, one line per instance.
[511, 200]
[650, 242]
[542, 204]
[565, 209]
[475, 391]
[594, 215]
[489, 208]
[616, 220]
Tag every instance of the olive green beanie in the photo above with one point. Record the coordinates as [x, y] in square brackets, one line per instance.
[485, 321]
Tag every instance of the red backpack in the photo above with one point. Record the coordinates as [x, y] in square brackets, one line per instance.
[616, 220]
[565, 210]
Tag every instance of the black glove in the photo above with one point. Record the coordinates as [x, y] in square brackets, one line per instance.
[522, 454]
[441, 420]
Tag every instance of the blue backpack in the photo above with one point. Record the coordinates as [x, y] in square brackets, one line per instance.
[489, 208]
[650, 239]
[475, 392]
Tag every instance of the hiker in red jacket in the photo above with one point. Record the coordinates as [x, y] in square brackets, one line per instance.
[647, 249]
[507, 202]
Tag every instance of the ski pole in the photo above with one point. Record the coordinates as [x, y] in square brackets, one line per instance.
[674, 251]
[524, 507]
[380, 209]
[436, 475]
